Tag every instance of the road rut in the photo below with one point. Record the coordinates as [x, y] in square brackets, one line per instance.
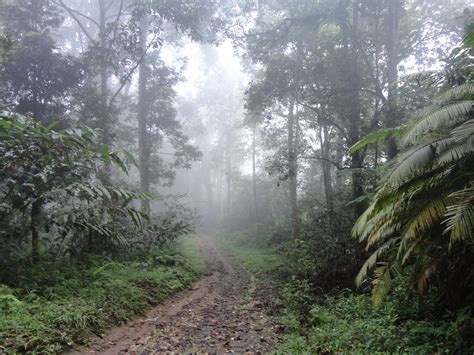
[220, 313]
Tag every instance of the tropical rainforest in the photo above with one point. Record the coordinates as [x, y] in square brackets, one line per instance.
[250, 176]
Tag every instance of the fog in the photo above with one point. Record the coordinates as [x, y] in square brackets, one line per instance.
[243, 111]
[305, 160]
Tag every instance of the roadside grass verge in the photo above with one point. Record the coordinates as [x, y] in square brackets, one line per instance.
[256, 258]
[343, 322]
[54, 306]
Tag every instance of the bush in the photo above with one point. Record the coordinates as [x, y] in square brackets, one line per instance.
[349, 323]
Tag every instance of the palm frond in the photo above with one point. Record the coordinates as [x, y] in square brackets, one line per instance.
[424, 277]
[416, 202]
[372, 260]
[460, 216]
[426, 218]
[463, 131]
[412, 161]
[377, 137]
[436, 117]
[461, 92]
[382, 283]
[454, 154]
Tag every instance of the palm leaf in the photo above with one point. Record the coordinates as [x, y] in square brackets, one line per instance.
[464, 131]
[427, 217]
[436, 117]
[382, 284]
[461, 92]
[372, 260]
[412, 161]
[377, 137]
[460, 216]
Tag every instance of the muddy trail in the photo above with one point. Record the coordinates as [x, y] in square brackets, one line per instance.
[223, 312]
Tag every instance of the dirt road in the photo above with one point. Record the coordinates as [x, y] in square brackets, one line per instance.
[222, 312]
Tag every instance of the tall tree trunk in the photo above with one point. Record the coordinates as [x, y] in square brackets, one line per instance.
[104, 112]
[228, 165]
[254, 176]
[104, 90]
[354, 105]
[326, 167]
[339, 160]
[142, 117]
[228, 168]
[293, 171]
[394, 8]
[206, 172]
[219, 198]
[34, 224]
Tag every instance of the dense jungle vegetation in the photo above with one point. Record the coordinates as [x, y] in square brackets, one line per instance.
[327, 144]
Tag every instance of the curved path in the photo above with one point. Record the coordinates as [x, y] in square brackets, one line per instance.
[220, 313]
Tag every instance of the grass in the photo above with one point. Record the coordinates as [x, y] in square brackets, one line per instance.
[256, 258]
[345, 322]
[54, 306]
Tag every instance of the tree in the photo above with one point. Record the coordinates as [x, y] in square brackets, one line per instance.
[422, 218]
[162, 131]
[50, 170]
[36, 77]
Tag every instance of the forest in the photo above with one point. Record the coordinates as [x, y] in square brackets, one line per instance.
[237, 176]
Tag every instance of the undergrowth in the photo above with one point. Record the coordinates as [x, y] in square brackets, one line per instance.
[54, 306]
[344, 321]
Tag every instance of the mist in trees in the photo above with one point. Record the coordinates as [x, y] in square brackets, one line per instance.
[338, 132]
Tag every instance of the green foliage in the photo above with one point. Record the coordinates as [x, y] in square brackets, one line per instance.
[346, 322]
[258, 260]
[49, 186]
[423, 213]
[37, 77]
[349, 324]
[56, 305]
[376, 137]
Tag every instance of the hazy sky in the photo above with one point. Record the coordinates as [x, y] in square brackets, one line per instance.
[229, 65]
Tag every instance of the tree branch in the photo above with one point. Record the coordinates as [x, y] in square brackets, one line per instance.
[72, 12]
[130, 73]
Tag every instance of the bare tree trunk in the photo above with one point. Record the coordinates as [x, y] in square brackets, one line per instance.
[354, 105]
[143, 154]
[326, 167]
[293, 171]
[228, 166]
[228, 180]
[105, 124]
[339, 156]
[207, 182]
[219, 198]
[254, 176]
[392, 28]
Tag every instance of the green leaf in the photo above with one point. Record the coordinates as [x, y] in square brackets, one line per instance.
[376, 137]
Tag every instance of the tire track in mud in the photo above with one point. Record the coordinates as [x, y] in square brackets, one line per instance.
[220, 313]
